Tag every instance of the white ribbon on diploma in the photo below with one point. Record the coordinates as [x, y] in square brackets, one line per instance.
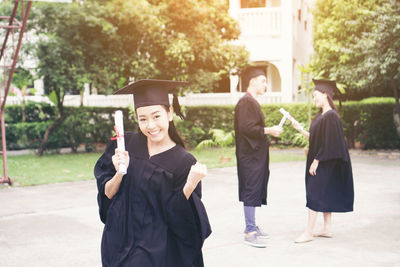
[119, 128]
[286, 115]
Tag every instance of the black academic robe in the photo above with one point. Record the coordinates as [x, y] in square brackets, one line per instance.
[331, 189]
[149, 222]
[252, 152]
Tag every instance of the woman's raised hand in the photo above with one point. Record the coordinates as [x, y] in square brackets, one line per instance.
[120, 157]
[197, 172]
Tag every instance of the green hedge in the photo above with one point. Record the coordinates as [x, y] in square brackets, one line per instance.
[200, 119]
[375, 127]
[369, 122]
[83, 125]
[34, 112]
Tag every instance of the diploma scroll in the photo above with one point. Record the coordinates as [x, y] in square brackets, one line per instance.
[119, 128]
[286, 115]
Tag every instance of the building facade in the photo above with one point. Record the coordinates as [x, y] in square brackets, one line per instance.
[278, 35]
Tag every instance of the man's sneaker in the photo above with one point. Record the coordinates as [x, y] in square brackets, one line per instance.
[261, 234]
[255, 241]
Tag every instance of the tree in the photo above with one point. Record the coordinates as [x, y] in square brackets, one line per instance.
[338, 27]
[62, 72]
[381, 53]
[109, 42]
[182, 40]
[358, 43]
[64, 57]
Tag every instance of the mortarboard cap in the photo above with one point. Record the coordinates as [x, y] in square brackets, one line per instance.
[250, 73]
[150, 92]
[328, 87]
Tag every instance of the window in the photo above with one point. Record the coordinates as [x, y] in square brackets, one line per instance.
[252, 3]
[275, 3]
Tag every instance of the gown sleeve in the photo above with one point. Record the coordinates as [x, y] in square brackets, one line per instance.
[187, 218]
[333, 145]
[103, 171]
[247, 120]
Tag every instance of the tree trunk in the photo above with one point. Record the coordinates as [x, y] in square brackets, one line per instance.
[45, 139]
[396, 110]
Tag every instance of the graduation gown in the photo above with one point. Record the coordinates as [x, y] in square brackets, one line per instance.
[331, 189]
[149, 222]
[252, 152]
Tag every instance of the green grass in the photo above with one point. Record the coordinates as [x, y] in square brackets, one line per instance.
[34, 170]
[225, 157]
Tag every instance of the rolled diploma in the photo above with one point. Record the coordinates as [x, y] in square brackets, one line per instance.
[119, 124]
[286, 115]
[282, 120]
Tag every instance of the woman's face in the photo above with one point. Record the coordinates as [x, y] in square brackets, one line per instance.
[319, 98]
[154, 122]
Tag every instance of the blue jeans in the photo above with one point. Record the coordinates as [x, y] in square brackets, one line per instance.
[250, 218]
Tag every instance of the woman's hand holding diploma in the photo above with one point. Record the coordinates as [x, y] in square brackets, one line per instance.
[120, 158]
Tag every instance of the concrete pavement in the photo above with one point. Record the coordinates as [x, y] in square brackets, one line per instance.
[58, 224]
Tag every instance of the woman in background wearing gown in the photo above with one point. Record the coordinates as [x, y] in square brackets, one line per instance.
[329, 178]
[153, 214]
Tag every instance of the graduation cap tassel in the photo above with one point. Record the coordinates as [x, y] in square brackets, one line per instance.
[177, 107]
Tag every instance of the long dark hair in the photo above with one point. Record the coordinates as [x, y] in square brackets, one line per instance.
[173, 132]
[330, 101]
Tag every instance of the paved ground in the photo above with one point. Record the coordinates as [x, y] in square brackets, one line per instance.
[58, 225]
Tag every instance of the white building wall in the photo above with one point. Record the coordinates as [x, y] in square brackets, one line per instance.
[275, 35]
[302, 45]
[287, 44]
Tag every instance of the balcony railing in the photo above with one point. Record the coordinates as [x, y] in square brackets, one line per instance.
[260, 21]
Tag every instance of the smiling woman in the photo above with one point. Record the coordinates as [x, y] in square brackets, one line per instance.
[153, 214]
[155, 122]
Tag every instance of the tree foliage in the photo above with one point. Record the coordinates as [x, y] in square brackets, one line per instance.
[109, 42]
[118, 40]
[338, 28]
[357, 42]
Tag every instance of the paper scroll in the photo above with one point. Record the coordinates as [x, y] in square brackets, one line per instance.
[119, 129]
[286, 115]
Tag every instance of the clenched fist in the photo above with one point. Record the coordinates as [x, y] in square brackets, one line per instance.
[197, 172]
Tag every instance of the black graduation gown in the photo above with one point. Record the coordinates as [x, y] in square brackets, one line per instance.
[149, 222]
[331, 189]
[252, 152]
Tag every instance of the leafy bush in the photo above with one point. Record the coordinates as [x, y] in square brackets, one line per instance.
[219, 139]
[369, 121]
[34, 112]
[83, 125]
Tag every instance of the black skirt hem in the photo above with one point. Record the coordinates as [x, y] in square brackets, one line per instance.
[323, 209]
[247, 204]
